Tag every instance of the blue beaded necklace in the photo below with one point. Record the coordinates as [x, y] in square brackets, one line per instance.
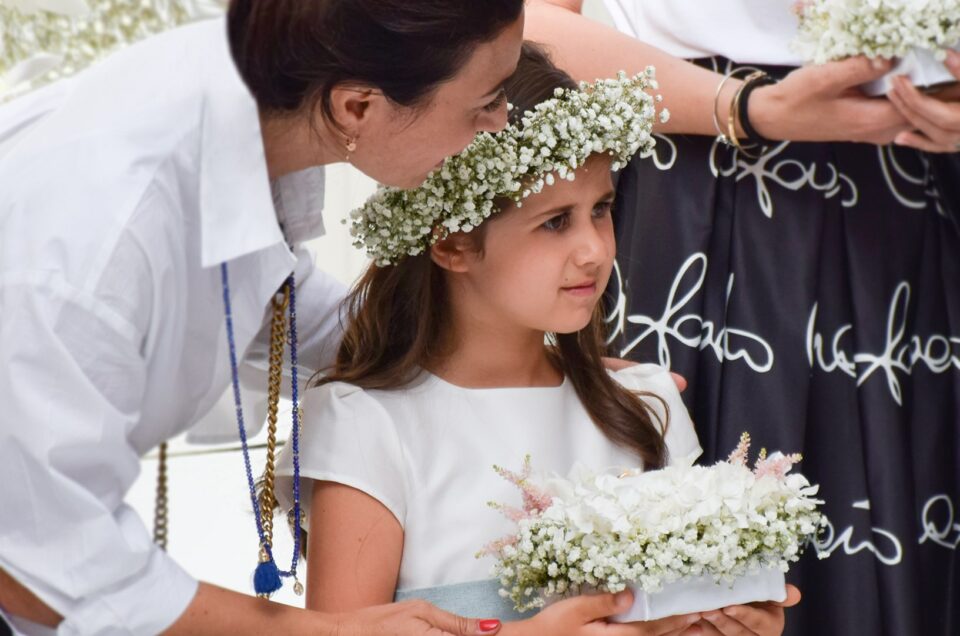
[267, 576]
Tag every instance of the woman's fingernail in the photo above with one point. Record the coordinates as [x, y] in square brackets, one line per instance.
[489, 625]
[622, 600]
[693, 619]
[953, 59]
[878, 63]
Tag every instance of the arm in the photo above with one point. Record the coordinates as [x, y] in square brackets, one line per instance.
[817, 103]
[353, 550]
[71, 382]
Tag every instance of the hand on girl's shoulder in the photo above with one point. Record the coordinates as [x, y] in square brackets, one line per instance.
[681, 436]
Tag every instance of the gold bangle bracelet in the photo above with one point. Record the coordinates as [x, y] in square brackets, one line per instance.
[735, 109]
[722, 136]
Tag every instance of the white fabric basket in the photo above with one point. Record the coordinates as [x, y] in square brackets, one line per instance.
[704, 594]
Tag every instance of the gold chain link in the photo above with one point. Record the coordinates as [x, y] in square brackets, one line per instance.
[161, 506]
[268, 501]
[278, 338]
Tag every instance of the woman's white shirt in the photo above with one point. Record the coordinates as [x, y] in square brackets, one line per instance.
[122, 191]
[750, 31]
[427, 453]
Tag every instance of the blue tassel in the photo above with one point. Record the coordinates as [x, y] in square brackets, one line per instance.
[266, 578]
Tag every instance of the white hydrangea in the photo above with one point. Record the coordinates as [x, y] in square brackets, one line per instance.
[605, 531]
[837, 29]
[613, 116]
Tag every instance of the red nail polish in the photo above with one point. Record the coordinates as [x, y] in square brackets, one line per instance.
[489, 625]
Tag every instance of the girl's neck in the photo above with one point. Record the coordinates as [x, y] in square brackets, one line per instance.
[482, 354]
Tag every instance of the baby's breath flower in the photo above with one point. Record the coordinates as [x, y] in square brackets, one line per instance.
[837, 29]
[612, 116]
[41, 41]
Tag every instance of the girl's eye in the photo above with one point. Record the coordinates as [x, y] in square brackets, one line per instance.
[497, 102]
[602, 209]
[557, 223]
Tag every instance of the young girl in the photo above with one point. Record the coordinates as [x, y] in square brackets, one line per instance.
[482, 349]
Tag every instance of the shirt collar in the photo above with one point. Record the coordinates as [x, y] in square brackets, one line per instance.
[237, 201]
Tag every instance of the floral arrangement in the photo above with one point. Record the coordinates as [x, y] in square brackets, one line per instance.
[837, 29]
[44, 40]
[649, 530]
[613, 116]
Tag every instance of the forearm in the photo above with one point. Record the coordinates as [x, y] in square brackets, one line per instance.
[215, 610]
[17, 600]
[588, 50]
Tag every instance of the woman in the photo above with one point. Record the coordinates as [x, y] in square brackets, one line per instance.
[808, 291]
[123, 190]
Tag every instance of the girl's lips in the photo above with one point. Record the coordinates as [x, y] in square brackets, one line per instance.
[589, 289]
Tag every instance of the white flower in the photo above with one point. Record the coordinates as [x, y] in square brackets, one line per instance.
[837, 29]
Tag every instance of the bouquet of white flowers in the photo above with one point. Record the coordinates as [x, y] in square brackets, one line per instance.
[684, 538]
[916, 32]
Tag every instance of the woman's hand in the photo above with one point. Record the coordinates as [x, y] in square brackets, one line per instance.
[584, 616]
[410, 618]
[825, 103]
[755, 619]
[934, 117]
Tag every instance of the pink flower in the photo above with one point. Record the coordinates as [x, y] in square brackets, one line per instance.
[739, 454]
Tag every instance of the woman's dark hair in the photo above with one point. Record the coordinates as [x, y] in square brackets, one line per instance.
[397, 317]
[292, 53]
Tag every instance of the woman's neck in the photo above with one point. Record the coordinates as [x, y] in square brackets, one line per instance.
[291, 144]
[485, 353]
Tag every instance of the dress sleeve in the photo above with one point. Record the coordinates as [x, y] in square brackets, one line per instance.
[347, 437]
[683, 446]
[71, 385]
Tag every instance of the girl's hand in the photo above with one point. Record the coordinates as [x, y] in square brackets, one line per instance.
[756, 619]
[935, 117]
[584, 616]
[824, 103]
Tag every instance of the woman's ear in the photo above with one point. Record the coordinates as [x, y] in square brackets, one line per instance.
[454, 253]
[353, 107]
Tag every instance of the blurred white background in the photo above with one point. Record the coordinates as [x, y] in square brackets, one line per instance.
[211, 527]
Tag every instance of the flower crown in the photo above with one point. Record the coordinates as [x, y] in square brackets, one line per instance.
[613, 116]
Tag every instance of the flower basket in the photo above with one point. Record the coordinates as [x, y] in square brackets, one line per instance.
[684, 538]
[916, 33]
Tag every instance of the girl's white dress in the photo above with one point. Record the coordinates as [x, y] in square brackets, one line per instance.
[427, 452]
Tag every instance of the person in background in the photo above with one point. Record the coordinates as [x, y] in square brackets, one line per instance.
[804, 277]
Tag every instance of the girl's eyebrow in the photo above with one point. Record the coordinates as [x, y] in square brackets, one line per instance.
[564, 209]
[569, 208]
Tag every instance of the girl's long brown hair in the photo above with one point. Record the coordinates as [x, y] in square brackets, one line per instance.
[396, 318]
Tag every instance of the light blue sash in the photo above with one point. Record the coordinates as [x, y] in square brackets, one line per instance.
[476, 599]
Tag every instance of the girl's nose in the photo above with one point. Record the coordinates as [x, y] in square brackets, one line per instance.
[591, 248]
